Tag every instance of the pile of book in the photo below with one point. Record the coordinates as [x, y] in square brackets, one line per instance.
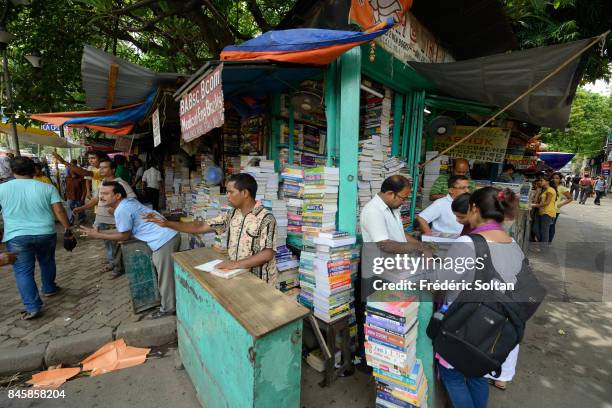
[251, 130]
[390, 343]
[278, 208]
[333, 293]
[320, 197]
[307, 278]
[287, 265]
[292, 190]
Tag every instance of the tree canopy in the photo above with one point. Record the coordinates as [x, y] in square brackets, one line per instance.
[589, 125]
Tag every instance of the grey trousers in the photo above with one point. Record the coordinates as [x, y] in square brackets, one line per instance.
[164, 267]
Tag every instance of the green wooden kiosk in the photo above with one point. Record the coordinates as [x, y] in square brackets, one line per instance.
[239, 339]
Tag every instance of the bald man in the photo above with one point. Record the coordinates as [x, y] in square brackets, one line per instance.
[439, 189]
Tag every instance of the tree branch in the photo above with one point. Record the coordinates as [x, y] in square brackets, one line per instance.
[258, 15]
[134, 6]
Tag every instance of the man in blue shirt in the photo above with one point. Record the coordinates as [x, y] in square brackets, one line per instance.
[129, 222]
[29, 208]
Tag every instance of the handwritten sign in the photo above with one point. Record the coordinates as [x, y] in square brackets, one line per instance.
[124, 143]
[156, 128]
[201, 108]
[488, 145]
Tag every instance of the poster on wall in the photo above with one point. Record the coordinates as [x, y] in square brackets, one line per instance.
[201, 108]
[408, 40]
[124, 143]
[488, 145]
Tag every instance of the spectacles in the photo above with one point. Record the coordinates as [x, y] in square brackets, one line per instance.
[403, 198]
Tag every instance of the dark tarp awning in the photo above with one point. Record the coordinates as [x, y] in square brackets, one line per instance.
[255, 78]
[498, 79]
[134, 83]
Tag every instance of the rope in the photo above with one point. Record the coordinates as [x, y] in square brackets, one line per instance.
[527, 92]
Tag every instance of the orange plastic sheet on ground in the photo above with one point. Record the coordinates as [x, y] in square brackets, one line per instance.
[53, 378]
[114, 356]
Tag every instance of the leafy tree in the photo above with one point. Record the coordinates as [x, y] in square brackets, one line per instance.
[589, 124]
[545, 22]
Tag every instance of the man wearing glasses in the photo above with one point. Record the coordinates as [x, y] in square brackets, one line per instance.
[380, 219]
[440, 213]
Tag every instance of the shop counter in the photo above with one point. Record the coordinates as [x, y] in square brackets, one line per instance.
[240, 340]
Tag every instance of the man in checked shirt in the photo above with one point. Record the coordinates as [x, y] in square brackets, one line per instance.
[251, 229]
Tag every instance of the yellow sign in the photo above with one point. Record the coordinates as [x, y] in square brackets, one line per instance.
[488, 145]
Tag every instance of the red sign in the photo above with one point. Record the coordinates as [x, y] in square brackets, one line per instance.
[201, 108]
[606, 166]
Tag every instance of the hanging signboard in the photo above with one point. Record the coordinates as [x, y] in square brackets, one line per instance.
[124, 143]
[156, 128]
[408, 40]
[201, 108]
[488, 145]
[605, 168]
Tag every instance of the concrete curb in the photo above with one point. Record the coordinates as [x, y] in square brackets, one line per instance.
[72, 349]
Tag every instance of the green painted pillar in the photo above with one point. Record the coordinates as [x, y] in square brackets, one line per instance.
[350, 80]
[416, 138]
[331, 109]
[291, 129]
[424, 347]
[398, 104]
[273, 146]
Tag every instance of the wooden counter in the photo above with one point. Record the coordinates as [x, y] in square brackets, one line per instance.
[240, 340]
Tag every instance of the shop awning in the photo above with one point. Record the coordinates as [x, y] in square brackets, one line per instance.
[133, 83]
[37, 136]
[117, 121]
[255, 78]
[498, 79]
[311, 46]
[556, 160]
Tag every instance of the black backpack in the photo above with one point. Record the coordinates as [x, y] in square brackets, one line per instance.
[480, 328]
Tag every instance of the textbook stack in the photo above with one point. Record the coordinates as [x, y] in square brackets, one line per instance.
[287, 265]
[307, 279]
[278, 208]
[292, 190]
[333, 292]
[390, 343]
[220, 241]
[262, 174]
[320, 198]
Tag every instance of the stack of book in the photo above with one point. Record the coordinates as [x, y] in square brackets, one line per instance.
[220, 242]
[307, 278]
[251, 130]
[287, 265]
[292, 190]
[278, 208]
[390, 343]
[333, 292]
[320, 197]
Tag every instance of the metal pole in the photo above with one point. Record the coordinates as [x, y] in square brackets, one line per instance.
[9, 96]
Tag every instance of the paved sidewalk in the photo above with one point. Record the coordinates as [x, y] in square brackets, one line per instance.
[88, 301]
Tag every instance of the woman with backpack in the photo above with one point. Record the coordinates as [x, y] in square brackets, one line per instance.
[487, 209]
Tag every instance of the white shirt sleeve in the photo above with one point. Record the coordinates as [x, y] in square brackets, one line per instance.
[373, 223]
[432, 212]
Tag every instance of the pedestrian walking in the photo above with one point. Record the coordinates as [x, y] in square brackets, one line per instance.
[575, 186]
[547, 211]
[564, 197]
[30, 209]
[130, 222]
[600, 189]
[586, 188]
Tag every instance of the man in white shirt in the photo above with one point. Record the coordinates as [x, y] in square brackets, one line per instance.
[152, 180]
[381, 221]
[440, 213]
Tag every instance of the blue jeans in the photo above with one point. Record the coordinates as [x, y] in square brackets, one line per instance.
[542, 227]
[464, 392]
[29, 248]
[72, 204]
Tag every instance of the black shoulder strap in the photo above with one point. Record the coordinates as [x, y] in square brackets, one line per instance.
[482, 251]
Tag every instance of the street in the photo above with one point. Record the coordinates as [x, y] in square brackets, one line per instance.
[565, 359]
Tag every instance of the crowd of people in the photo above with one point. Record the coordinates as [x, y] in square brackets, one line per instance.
[113, 190]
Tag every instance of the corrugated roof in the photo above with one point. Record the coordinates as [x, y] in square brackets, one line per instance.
[134, 83]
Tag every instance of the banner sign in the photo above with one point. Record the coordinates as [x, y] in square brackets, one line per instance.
[156, 128]
[124, 143]
[201, 108]
[524, 163]
[51, 127]
[408, 40]
[488, 145]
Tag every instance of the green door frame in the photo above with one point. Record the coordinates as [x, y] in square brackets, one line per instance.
[350, 91]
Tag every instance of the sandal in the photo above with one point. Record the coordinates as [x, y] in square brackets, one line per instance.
[25, 315]
[500, 385]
